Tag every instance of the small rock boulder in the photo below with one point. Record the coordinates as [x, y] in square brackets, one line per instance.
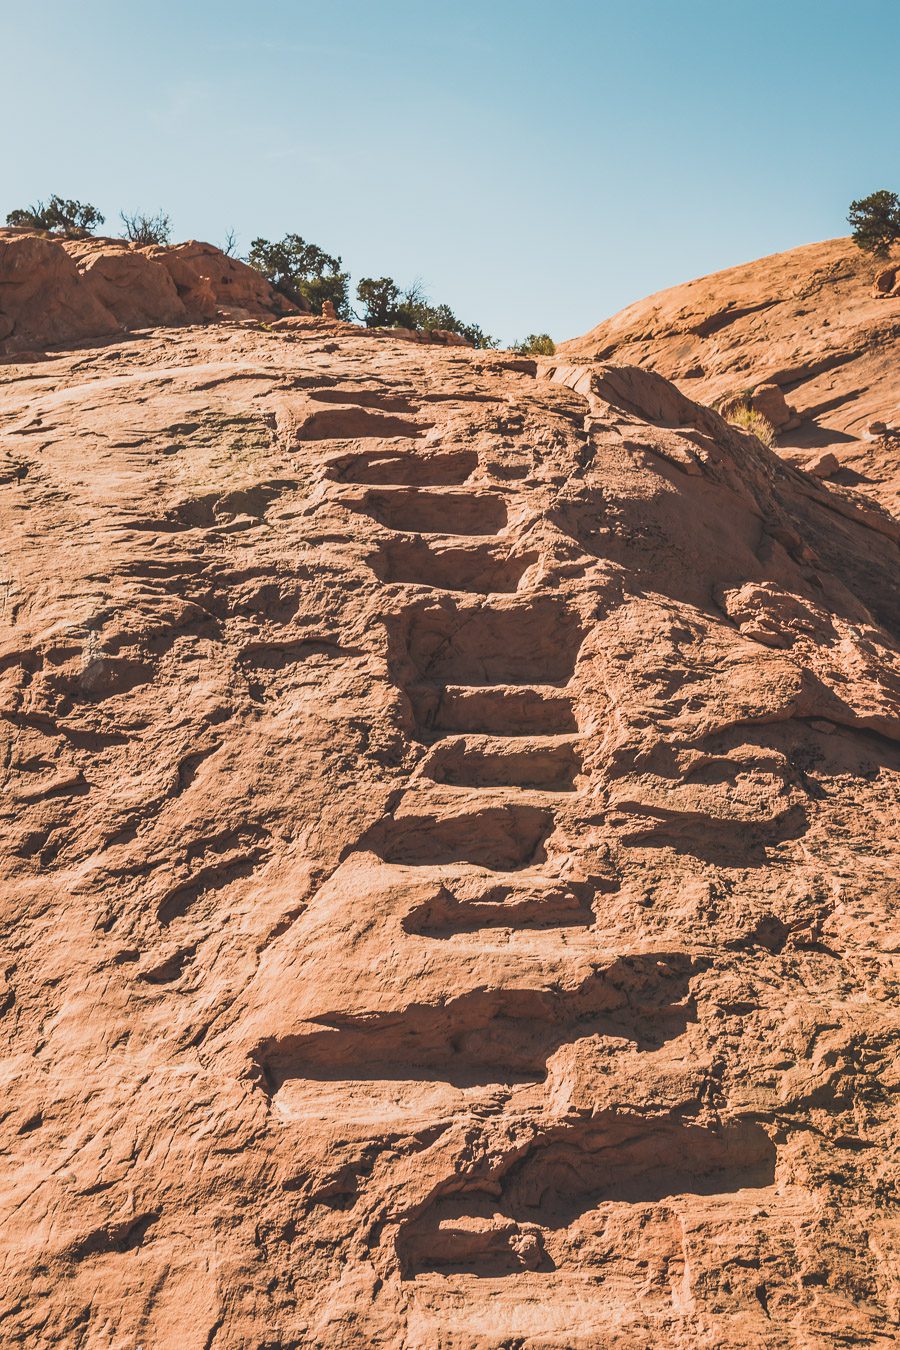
[769, 401]
[819, 463]
[449, 339]
[208, 280]
[886, 283]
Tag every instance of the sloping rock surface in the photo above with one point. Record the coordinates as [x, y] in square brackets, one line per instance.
[449, 859]
[821, 324]
[58, 291]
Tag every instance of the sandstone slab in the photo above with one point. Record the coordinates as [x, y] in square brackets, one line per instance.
[449, 868]
[809, 323]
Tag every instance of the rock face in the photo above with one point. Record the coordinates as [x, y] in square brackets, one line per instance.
[810, 322]
[57, 291]
[886, 282]
[449, 859]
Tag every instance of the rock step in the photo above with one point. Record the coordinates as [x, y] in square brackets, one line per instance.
[494, 710]
[569, 1169]
[433, 510]
[467, 902]
[527, 640]
[547, 763]
[481, 569]
[392, 467]
[486, 830]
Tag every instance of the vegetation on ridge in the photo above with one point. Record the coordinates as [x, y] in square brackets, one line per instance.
[384, 305]
[875, 222]
[302, 272]
[144, 230]
[739, 412]
[73, 219]
[536, 344]
[297, 269]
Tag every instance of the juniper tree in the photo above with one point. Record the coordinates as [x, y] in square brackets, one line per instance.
[875, 221]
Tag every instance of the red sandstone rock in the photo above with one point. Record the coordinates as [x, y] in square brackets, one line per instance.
[138, 291]
[806, 321]
[886, 283]
[42, 297]
[449, 858]
[769, 400]
[55, 291]
[821, 463]
[208, 279]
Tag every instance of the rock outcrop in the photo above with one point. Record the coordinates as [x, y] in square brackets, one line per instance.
[449, 857]
[809, 322]
[57, 291]
[887, 282]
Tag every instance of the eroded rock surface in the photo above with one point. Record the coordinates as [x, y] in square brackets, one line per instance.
[55, 291]
[820, 323]
[449, 859]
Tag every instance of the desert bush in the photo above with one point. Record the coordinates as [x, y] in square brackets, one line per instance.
[386, 306]
[380, 298]
[71, 218]
[535, 344]
[302, 272]
[442, 316]
[741, 413]
[875, 222]
[145, 230]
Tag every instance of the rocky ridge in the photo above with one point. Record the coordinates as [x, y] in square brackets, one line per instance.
[55, 291]
[811, 337]
[449, 858]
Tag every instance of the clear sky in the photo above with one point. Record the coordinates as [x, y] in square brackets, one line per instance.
[537, 165]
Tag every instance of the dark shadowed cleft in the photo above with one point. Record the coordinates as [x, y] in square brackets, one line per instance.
[487, 1036]
[394, 468]
[477, 1225]
[500, 837]
[123, 1236]
[353, 423]
[279, 654]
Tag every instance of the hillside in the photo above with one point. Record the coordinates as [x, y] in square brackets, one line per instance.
[449, 857]
[55, 291]
[809, 321]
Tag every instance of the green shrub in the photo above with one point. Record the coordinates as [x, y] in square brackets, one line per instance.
[875, 221]
[536, 344]
[380, 298]
[740, 413]
[145, 230]
[70, 218]
[386, 306]
[302, 272]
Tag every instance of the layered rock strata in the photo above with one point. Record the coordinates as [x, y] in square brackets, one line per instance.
[450, 859]
[57, 291]
[807, 336]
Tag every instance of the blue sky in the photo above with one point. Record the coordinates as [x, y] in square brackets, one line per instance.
[537, 165]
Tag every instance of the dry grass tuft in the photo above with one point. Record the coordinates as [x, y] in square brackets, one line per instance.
[740, 413]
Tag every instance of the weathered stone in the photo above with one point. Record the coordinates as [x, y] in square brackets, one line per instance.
[54, 291]
[135, 289]
[769, 400]
[886, 283]
[449, 856]
[820, 463]
[806, 321]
